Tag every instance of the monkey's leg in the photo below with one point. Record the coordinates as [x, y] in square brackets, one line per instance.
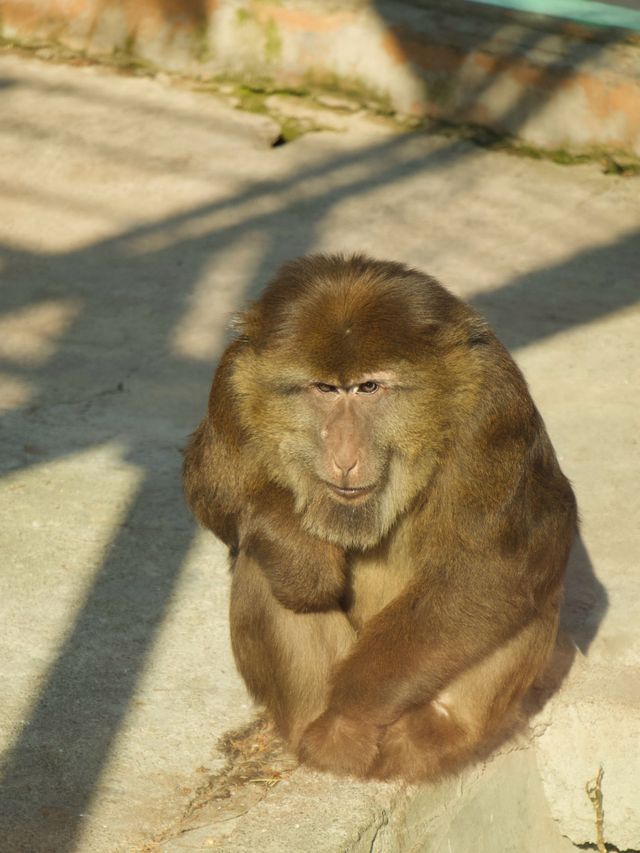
[414, 651]
[478, 705]
[285, 658]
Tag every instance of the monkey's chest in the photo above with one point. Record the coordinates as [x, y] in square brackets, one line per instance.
[376, 581]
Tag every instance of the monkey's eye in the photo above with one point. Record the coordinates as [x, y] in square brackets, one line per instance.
[368, 387]
[326, 389]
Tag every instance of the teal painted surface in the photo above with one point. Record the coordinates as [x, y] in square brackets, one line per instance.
[583, 11]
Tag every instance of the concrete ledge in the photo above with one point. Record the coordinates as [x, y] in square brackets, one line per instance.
[551, 82]
[500, 806]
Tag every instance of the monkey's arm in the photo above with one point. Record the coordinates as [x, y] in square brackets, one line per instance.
[406, 655]
[216, 477]
[305, 573]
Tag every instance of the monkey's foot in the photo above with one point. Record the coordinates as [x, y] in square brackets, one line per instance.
[342, 745]
[423, 744]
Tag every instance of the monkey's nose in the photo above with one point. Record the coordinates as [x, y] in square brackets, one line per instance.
[343, 466]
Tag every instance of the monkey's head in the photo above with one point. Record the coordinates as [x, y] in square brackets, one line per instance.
[349, 378]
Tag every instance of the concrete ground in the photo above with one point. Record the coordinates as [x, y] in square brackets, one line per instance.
[135, 217]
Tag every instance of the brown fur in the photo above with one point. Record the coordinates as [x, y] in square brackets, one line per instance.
[398, 522]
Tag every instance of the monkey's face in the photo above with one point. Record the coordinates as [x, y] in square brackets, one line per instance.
[354, 452]
[339, 464]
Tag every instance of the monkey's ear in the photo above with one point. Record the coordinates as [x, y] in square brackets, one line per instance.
[246, 324]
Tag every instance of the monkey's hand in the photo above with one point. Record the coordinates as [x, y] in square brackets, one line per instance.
[305, 574]
[340, 744]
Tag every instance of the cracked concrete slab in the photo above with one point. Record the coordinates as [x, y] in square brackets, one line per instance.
[136, 217]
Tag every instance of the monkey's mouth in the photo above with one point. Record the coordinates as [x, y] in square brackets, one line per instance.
[352, 493]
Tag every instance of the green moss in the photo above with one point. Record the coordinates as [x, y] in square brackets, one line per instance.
[201, 47]
[264, 88]
[272, 48]
[254, 99]
[293, 128]
[243, 16]
[130, 44]
[555, 155]
[613, 164]
[124, 57]
[622, 166]
[328, 83]
[251, 100]
[273, 42]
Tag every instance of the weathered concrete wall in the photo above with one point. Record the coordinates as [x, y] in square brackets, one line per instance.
[552, 83]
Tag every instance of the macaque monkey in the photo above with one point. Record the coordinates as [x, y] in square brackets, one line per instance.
[397, 521]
